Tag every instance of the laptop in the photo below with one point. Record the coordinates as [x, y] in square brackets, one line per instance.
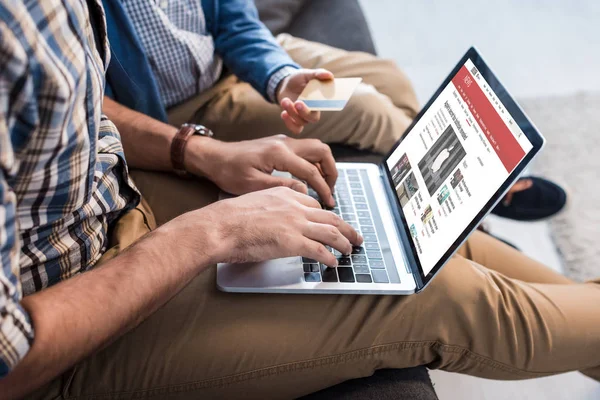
[454, 163]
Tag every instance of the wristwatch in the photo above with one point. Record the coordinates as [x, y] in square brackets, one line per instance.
[180, 142]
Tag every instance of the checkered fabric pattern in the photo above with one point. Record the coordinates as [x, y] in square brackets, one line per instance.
[180, 51]
[63, 177]
[182, 55]
[275, 79]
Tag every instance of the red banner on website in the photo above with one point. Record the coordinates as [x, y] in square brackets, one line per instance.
[500, 137]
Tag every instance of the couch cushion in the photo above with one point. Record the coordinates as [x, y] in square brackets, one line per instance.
[385, 384]
[277, 15]
[337, 23]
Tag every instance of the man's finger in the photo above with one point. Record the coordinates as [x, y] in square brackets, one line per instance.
[317, 251]
[323, 74]
[329, 218]
[290, 107]
[328, 235]
[305, 113]
[306, 200]
[317, 152]
[266, 181]
[291, 124]
[308, 172]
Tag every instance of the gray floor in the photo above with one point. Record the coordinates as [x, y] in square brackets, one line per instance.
[537, 48]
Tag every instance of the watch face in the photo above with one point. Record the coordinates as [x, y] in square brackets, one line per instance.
[194, 126]
[199, 129]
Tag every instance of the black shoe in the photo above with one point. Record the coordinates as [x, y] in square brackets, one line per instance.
[542, 200]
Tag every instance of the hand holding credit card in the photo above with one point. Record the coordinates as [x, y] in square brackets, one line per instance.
[331, 95]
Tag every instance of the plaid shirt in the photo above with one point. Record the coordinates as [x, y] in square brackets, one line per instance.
[181, 53]
[63, 177]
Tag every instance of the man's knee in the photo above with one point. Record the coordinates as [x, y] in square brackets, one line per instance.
[467, 302]
[476, 308]
[398, 86]
[460, 287]
[378, 124]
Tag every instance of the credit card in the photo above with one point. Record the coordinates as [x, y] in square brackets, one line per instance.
[332, 95]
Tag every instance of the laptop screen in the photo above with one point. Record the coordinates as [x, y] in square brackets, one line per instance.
[452, 161]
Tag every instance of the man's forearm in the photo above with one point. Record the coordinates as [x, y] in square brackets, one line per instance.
[83, 314]
[147, 141]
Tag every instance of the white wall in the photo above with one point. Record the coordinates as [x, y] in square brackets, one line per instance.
[537, 47]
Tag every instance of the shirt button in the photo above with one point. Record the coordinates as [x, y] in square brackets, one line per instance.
[164, 4]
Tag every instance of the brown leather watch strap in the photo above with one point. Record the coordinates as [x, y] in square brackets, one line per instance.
[178, 148]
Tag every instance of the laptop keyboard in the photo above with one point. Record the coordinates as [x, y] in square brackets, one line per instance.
[366, 264]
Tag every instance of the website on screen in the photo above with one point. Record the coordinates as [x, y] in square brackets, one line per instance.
[452, 162]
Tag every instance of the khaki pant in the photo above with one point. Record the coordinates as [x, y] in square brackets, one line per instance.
[491, 312]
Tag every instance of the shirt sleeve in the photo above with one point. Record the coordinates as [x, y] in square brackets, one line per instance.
[276, 79]
[16, 331]
[246, 45]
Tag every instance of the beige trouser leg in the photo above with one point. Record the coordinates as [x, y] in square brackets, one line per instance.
[480, 320]
[380, 110]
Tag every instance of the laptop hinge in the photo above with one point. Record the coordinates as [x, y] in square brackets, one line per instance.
[408, 252]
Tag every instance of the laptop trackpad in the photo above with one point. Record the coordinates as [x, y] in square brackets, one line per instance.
[268, 274]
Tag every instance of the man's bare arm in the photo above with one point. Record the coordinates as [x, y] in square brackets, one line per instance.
[147, 141]
[147, 145]
[81, 315]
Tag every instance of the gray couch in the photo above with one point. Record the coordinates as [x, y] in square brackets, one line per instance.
[341, 23]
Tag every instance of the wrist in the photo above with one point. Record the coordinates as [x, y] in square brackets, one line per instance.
[196, 237]
[278, 90]
[200, 154]
[276, 82]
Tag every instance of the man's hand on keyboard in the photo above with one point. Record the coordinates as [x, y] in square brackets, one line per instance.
[276, 223]
[244, 167]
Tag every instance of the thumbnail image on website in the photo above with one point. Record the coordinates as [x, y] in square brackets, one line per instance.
[452, 161]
